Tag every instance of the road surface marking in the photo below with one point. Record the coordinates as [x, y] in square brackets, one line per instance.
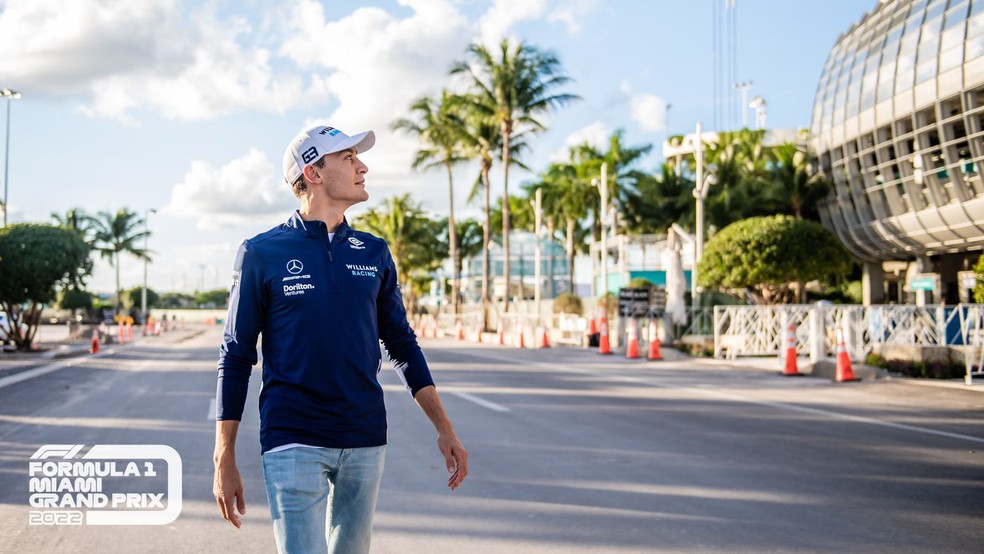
[480, 401]
[734, 397]
[45, 369]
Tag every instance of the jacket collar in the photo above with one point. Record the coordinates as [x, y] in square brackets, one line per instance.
[316, 229]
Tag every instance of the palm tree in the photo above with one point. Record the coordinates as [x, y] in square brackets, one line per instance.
[518, 86]
[76, 221]
[567, 194]
[413, 240]
[118, 233]
[483, 140]
[470, 235]
[440, 131]
[802, 188]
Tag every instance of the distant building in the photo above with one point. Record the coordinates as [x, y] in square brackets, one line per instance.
[898, 126]
[554, 269]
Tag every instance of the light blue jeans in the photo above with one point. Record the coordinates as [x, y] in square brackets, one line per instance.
[323, 499]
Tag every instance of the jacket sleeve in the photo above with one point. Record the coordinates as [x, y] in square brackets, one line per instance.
[237, 354]
[396, 334]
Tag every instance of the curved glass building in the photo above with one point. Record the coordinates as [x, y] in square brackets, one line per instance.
[898, 126]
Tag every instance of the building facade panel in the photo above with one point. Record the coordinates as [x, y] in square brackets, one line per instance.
[898, 126]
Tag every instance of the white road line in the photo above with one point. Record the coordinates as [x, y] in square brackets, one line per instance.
[737, 398]
[211, 410]
[45, 369]
[480, 401]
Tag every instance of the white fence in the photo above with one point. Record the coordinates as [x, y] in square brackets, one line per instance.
[759, 330]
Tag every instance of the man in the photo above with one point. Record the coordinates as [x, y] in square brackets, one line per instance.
[322, 295]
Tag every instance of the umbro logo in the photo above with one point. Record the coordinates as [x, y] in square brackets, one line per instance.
[356, 244]
[294, 267]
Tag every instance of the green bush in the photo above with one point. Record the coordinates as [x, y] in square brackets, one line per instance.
[919, 370]
[568, 303]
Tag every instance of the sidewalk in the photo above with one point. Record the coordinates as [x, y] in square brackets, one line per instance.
[12, 363]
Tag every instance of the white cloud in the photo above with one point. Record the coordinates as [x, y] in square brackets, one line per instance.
[596, 134]
[649, 112]
[572, 13]
[119, 56]
[388, 62]
[495, 23]
[246, 188]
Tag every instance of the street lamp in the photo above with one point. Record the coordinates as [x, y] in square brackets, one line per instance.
[700, 193]
[538, 253]
[143, 293]
[9, 95]
[603, 214]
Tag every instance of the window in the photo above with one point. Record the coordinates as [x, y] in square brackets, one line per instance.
[951, 58]
[926, 70]
[952, 37]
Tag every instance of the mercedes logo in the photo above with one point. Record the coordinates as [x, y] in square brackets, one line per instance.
[295, 267]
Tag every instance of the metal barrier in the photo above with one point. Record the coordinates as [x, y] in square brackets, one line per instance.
[758, 330]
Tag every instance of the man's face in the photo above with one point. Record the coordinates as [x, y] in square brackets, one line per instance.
[344, 176]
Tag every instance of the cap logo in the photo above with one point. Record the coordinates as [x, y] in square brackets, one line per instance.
[310, 155]
[330, 131]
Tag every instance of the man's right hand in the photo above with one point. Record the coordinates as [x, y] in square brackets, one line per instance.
[228, 489]
[228, 485]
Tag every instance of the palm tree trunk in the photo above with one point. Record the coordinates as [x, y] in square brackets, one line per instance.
[453, 238]
[486, 236]
[571, 222]
[505, 213]
[119, 292]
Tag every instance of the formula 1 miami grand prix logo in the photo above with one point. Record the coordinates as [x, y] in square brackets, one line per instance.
[111, 484]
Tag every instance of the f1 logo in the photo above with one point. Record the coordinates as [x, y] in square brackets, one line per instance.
[310, 155]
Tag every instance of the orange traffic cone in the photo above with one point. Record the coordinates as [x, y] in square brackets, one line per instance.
[593, 329]
[500, 333]
[459, 331]
[521, 340]
[129, 332]
[94, 349]
[790, 369]
[632, 348]
[604, 347]
[544, 339]
[122, 335]
[654, 353]
[844, 371]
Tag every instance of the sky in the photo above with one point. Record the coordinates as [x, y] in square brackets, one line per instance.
[186, 107]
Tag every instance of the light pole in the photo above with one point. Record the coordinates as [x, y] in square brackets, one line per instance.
[9, 95]
[143, 293]
[603, 214]
[743, 88]
[700, 193]
[538, 253]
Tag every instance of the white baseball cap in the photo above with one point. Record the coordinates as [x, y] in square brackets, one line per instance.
[309, 146]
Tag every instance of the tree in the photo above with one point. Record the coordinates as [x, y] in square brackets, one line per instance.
[75, 299]
[115, 234]
[413, 238]
[133, 297]
[469, 237]
[34, 259]
[519, 86]
[215, 298]
[801, 188]
[661, 200]
[76, 221]
[440, 130]
[765, 256]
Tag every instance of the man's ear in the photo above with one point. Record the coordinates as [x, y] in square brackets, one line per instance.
[311, 173]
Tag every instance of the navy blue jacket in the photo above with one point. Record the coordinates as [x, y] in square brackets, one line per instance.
[322, 308]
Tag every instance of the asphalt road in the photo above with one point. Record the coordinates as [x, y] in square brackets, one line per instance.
[570, 452]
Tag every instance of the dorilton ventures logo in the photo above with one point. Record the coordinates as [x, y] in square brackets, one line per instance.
[111, 484]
